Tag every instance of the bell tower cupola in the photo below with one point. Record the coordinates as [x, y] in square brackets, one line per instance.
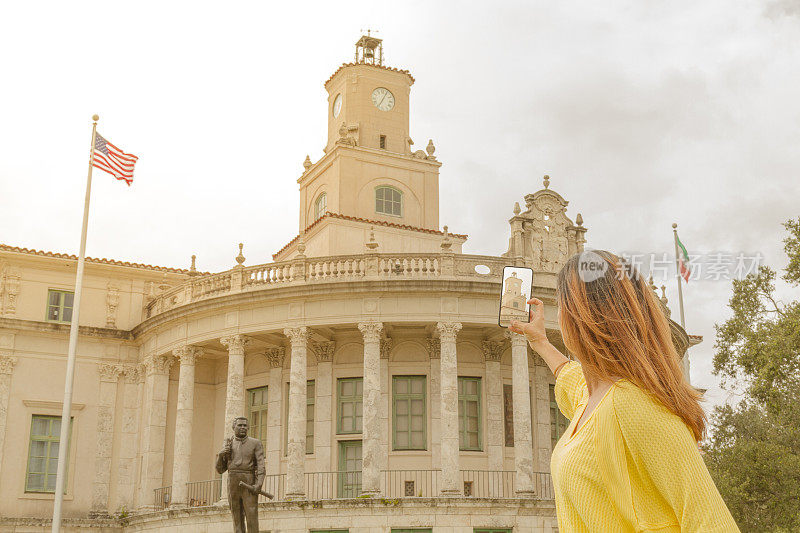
[368, 102]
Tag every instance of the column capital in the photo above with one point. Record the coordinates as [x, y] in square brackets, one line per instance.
[323, 350]
[297, 336]
[235, 343]
[110, 372]
[517, 339]
[434, 347]
[187, 354]
[386, 347]
[448, 330]
[275, 356]
[133, 373]
[493, 350]
[371, 330]
[7, 363]
[157, 364]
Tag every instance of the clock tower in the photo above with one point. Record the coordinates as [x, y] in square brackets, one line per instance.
[370, 183]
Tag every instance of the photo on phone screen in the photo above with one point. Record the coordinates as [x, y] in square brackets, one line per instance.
[514, 295]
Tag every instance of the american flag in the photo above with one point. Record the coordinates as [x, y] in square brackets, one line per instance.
[111, 159]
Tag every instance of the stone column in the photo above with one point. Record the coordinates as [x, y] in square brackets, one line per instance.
[187, 355]
[386, 387]
[371, 431]
[234, 391]
[274, 410]
[295, 475]
[523, 450]
[156, 388]
[129, 433]
[323, 403]
[106, 406]
[448, 384]
[434, 352]
[6, 368]
[495, 432]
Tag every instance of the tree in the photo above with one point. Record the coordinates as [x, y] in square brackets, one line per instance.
[754, 449]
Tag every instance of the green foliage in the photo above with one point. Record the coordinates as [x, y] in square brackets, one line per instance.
[754, 451]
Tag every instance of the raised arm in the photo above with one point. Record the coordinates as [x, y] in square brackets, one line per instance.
[537, 337]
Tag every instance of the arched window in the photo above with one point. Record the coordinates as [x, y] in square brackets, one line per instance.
[388, 201]
[320, 206]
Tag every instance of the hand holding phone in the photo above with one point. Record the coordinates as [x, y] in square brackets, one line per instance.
[515, 294]
[534, 329]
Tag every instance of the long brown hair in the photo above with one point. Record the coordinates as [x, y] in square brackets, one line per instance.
[613, 323]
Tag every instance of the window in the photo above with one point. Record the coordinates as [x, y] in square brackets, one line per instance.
[388, 201]
[310, 399]
[328, 530]
[413, 530]
[320, 206]
[257, 405]
[469, 413]
[59, 306]
[408, 413]
[43, 454]
[558, 422]
[492, 530]
[349, 392]
[383, 142]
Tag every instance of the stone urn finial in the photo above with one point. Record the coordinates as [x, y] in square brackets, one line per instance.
[517, 210]
[546, 181]
[164, 285]
[430, 148]
[446, 242]
[240, 257]
[301, 245]
[193, 269]
[579, 220]
[372, 244]
[307, 163]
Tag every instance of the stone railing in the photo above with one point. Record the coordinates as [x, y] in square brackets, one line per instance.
[368, 266]
[487, 484]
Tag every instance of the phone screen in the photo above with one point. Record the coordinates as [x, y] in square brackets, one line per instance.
[514, 295]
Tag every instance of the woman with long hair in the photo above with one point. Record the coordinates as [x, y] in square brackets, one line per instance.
[629, 459]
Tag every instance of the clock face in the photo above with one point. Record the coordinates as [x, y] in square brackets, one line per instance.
[337, 105]
[383, 99]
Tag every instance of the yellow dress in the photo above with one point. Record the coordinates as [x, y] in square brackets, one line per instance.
[632, 466]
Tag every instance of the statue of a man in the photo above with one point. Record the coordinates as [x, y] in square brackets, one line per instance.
[243, 458]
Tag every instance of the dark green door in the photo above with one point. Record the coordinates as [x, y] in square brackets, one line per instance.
[349, 469]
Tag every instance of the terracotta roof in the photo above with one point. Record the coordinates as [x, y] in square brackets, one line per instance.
[696, 337]
[374, 222]
[344, 65]
[18, 249]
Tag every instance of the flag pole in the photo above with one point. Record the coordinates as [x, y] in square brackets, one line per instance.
[678, 273]
[73, 343]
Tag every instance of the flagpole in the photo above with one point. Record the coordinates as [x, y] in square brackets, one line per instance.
[64, 443]
[678, 273]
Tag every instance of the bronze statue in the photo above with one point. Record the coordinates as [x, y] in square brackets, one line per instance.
[243, 458]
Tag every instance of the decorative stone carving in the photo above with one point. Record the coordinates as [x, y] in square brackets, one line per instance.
[157, 364]
[275, 356]
[493, 350]
[297, 336]
[448, 331]
[434, 347]
[240, 258]
[430, 149]
[347, 135]
[110, 372]
[323, 350]
[7, 363]
[112, 301]
[386, 347]
[133, 373]
[542, 236]
[11, 290]
[307, 164]
[235, 343]
[187, 354]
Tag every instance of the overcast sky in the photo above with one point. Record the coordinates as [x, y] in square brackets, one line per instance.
[643, 114]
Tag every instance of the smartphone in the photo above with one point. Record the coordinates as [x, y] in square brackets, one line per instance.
[514, 295]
